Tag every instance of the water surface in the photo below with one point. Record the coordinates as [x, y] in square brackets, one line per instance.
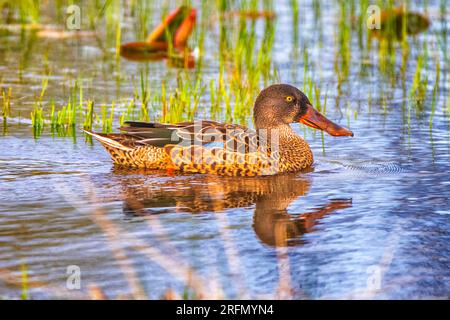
[370, 220]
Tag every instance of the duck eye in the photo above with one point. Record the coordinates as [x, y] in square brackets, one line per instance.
[289, 98]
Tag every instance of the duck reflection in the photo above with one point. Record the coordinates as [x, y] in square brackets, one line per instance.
[269, 195]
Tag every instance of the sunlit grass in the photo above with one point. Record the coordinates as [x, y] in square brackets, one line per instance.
[244, 65]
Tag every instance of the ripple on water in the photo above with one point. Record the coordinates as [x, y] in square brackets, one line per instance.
[366, 167]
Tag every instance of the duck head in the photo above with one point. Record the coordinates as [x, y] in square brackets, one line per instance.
[281, 104]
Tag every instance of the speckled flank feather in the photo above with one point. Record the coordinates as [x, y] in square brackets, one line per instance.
[147, 156]
[293, 155]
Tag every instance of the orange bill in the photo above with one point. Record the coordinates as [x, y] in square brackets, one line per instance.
[315, 119]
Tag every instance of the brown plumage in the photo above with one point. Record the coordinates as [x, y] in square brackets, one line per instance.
[270, 149]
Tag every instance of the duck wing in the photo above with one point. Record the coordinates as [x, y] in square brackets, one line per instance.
[189, 133]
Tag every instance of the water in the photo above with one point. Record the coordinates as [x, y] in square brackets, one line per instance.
[370, 220]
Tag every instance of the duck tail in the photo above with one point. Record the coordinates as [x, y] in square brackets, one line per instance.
[108, 141]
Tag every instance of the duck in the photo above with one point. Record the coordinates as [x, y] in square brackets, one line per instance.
[211, 147]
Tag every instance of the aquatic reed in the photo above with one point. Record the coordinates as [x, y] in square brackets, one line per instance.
[434, 93]
[6, 103]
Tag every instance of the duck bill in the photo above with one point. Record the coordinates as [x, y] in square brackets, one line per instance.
[316, 120]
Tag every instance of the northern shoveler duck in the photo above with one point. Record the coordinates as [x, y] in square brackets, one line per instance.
[273, 147]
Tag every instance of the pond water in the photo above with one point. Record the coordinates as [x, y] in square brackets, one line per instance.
[369, 220]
